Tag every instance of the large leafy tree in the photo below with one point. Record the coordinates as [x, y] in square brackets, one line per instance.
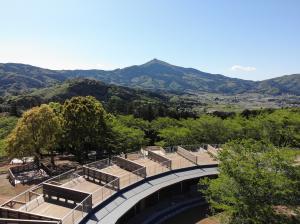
[137, 123]
[173, 136]
[84, 126]
[37, 131]
[255, 180]
[209, 129]
[126, 138]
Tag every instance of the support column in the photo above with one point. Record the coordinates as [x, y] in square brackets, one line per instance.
[181, 187]
[142, 204]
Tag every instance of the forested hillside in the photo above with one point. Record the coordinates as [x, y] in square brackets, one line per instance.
[116, 99]
[153, 75]
[284, 84]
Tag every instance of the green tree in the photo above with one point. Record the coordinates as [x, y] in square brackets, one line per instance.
[37, 131]
[7, 124]
[234, 128]
[163, 122]
[159, 124]
[281, 127]
[115, 105]
[57, 108]
[206, 129]
[126, 139]
[84, 126]
[174, 136]
[131, 121]
[255, 178]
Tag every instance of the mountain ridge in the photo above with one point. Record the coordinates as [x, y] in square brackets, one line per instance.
[115, 99]
[153, 75]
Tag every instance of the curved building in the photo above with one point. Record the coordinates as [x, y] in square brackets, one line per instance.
[116, 190]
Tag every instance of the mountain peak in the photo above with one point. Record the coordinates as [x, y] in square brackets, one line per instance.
[155, 61]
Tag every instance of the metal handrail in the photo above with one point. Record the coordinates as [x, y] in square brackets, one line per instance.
[36, 187]
[79, 204]
[98, 161]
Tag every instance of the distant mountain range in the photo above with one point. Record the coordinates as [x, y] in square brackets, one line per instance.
[86, 87]
[154, 75]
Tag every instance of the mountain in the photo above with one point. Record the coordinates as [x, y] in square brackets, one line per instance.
[157, 74]
[116, 99]
[280, 85]
[84, 87]
[153, 75]
[17, 78]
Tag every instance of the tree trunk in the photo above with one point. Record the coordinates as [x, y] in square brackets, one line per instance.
[37, 161]
[52, 158]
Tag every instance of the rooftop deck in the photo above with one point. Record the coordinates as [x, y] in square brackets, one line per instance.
[152, 167]
[69, 197]
[115, 170]
[124, 175]
[51, 209]
[179, 161]
[204, 158]
[82, 184]
[119, 205]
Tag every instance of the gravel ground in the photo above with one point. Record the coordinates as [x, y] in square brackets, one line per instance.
[8, 191]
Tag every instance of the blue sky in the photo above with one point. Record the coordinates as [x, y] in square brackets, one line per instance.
[249, 39]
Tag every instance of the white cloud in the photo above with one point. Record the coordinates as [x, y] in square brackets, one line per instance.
[240, 68]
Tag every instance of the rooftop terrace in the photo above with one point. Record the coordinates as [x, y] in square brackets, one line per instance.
[69, 197]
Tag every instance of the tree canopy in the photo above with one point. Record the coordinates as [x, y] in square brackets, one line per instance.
[255, 179]
[7, 124]
[84, 126]
[280, 127]
[127, 138]
[36, 132]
